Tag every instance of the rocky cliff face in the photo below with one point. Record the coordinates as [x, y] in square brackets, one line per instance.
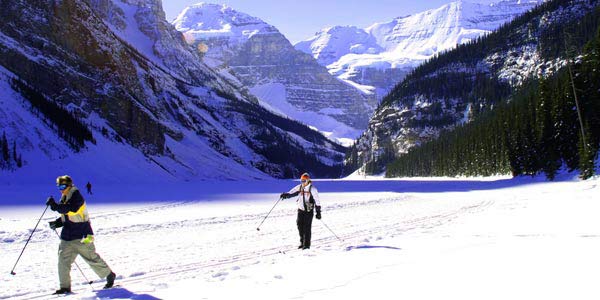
[51, 45]
[286, 80]
[121, 68]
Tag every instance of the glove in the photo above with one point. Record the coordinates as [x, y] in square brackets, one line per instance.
[318, 213]
[58, 223]
[51, 203]
[88, 239]
[284, 195]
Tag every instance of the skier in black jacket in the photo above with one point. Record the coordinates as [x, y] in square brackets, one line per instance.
[77, 237]
[308, 201]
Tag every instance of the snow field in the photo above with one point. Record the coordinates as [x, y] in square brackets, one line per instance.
[417, 239]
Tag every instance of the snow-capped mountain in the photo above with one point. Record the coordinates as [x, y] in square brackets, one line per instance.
[379, 56]
[285, 80]
[142, 104]
[204, 20]
[330, 44]
[458, 86]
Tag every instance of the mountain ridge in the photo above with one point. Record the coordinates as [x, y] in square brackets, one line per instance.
[285, 80]
[405, 42]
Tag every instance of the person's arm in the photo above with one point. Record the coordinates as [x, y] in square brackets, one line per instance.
[73, 205]
[295, 191]
[58, 223]
[315, 194]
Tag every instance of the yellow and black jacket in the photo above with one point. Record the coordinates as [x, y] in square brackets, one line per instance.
[74, 215]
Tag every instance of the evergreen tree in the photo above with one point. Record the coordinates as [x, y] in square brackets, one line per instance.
[587, 157]
[14, 152]
[530, 155]
[549, 157]
[565, 116]
[5, 151]
[589, 79]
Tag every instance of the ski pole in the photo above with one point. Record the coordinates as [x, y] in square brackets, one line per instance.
[12, 272]
[80, 271]
[331, 231]
[258, 228]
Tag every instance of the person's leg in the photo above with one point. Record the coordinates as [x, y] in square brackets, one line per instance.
[308, 229]
[88, 253]
[300, 224]
[67, 252]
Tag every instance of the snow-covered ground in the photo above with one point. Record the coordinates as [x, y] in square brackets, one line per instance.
[402, 239]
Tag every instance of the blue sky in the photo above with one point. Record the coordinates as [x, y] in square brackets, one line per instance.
[299, 20]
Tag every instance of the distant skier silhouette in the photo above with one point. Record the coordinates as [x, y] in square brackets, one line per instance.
[88, 186]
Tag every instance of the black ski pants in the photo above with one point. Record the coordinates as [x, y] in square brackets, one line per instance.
[304, 222]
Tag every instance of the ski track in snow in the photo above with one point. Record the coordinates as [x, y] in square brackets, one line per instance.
[150, 246]
[350, 233]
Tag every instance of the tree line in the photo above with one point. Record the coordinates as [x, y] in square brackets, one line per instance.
[11, 158]
[537, 131]
[457, 73]
[67, 126]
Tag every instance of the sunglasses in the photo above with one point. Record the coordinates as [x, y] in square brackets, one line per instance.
[61, 187]
[303, 180]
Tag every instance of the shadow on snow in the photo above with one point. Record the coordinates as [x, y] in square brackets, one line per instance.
[123, 293]
[210, 191]
[349, 248]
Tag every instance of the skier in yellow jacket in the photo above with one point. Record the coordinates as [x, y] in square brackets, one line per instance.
[76, 237]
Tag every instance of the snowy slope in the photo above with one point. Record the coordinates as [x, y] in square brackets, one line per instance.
[47, 155]
[367, 56]
[415, 239]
